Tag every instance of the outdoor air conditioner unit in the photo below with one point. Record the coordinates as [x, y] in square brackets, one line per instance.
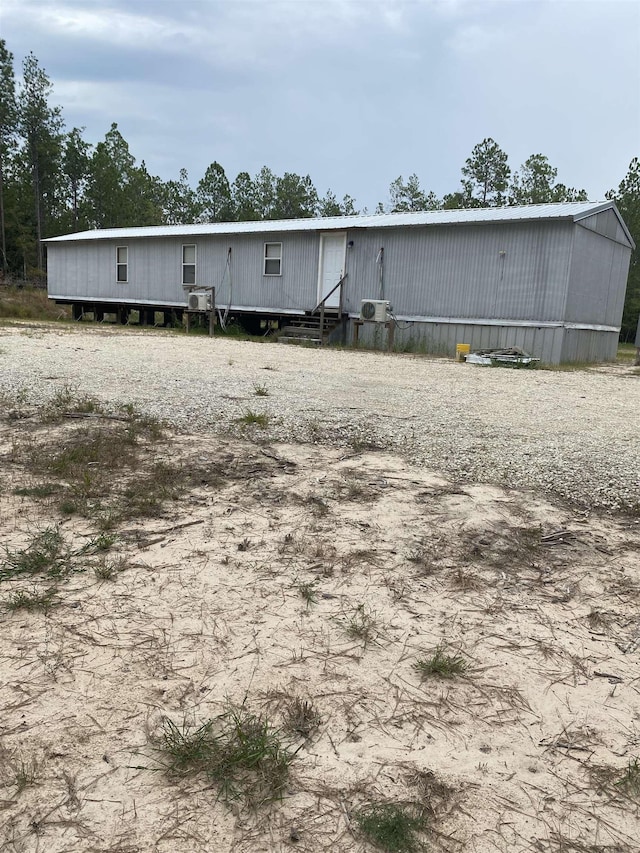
[199, 302]
[375, 310]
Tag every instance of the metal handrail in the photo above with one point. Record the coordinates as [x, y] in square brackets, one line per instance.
[331, 292]
[320, 305]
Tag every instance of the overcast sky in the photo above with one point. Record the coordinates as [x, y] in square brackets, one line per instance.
[351, 92]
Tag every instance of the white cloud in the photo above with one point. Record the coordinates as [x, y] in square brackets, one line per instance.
[104, 24]
[224, 33]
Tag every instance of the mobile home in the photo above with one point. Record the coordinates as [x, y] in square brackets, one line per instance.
[548, 278]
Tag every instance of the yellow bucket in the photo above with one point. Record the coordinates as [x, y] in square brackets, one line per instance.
[462, 350]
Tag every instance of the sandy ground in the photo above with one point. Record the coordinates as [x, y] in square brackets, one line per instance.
[324, 574]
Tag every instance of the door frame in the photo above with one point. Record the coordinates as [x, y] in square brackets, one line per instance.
[334, 301]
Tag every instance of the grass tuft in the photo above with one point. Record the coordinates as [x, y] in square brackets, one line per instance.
[318, 505]
[102, 542]
[391, 827]
[67, 401]
[362, 625]
[108, 570]
[45, 555]
[260, 390]
[251, 418]
[35, 600]
[441, 665]
[366, 443]
[240, 753]
[139, 425]
[308, 590]
[301, 717]
[465, 581]
[24, 774]
[145, 495]
[421, 557]
[629, 782]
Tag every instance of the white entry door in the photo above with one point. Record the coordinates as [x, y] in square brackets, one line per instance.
[333, 248]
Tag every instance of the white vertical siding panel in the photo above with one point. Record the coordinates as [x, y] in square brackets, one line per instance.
[448, 272]
[597, 279]
[155, 270]
[544, 343]
[589, 345]
[458, 271]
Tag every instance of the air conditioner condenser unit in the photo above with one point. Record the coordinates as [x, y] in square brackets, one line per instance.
[199, 302]
[375, 310]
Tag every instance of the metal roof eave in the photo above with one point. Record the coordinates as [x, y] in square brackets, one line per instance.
[571, 211]
[608, 205]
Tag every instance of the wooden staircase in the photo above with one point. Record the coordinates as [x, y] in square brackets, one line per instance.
[316, 327]
[312, 330]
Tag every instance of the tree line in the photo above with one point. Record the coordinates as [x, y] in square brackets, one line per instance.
[53, 181]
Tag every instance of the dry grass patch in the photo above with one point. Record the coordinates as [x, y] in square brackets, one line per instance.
[301, 717]
[46, 555]
[30, 303]
[243, 755]
[441, 664]
[392, 827]
[101, 468]
[363, 625]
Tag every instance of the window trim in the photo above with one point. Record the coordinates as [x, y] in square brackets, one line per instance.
[265, 259]
[194, 264]
[124, 264]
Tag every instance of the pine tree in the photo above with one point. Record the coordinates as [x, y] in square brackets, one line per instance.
[243, 196]
[410, 197]
[627, 199]
[178, 201]
[536, 184]
[214, 195]
[41, 127]
[118, 192]
[487, 176]
[75, 166]
[296, 197]
[8, 130]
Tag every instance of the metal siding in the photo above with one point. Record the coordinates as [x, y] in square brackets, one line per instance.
[616, 296]
[88, 270]
[607, 224]
[598, 279]
[459, 272]
[589, 346]
[441, 339]
[294, 289]
[448, 272]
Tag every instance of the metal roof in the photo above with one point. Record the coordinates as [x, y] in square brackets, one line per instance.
[563, 210]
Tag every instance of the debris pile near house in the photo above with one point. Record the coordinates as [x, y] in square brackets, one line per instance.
[509, 356]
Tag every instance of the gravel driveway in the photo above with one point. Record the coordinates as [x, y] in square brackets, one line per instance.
[573, 433]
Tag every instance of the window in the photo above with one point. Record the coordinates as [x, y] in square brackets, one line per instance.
[122, 263]
[189, 264]
[273, 258]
